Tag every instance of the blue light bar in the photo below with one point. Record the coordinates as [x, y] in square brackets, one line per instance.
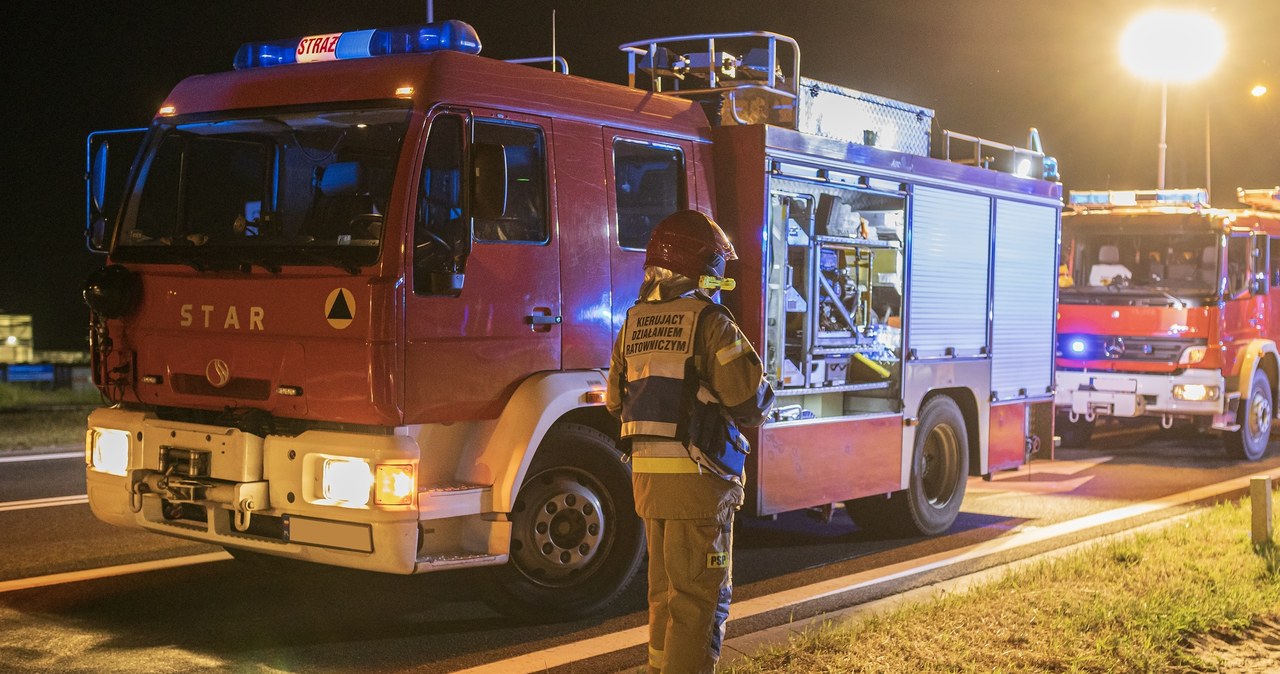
[1188, 198]
[451, 35]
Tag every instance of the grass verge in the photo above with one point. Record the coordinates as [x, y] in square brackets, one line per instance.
[42, 428]
[12, 395]
[1132, 605]
[32, 417]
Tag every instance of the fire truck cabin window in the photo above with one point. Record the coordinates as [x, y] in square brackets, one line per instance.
[1239, 264]
[439, 230]
[238, 189]
[525, 217]
[650, 184]
[1156, 263]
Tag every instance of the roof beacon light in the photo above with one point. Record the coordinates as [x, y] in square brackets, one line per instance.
[1186, 198]
[451, 35]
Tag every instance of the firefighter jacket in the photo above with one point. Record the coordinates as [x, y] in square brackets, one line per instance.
[659, 347]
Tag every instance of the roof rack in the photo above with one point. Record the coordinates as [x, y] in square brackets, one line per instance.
[1267, 199]
[710, 70]
[753, 77]
[1022, 161]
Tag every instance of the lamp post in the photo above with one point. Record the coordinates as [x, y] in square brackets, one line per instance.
[1171, 46]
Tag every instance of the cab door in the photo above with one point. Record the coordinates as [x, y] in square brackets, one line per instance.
[1244, 315]
[482, 303]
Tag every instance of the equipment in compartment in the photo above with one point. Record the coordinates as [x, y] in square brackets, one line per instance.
[837, 270]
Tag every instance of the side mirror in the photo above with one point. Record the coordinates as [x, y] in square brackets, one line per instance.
[488, 181]
[108, 155]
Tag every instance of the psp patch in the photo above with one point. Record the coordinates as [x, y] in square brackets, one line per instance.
[718, 560]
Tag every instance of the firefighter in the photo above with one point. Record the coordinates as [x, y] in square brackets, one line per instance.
[670, 337]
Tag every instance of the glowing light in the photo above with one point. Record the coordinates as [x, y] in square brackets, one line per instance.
[347, 481]
[404, 92]
[1258, 90]
[109, 451]
[167, 111]
[446, 35]
[1192, 355]
[1195, 392]
[1078, 346]
[1172, 45]
[395, 484]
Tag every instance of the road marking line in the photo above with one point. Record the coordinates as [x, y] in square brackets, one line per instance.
[109, 571]
[44, 502]
[41, 457]
[563, 654]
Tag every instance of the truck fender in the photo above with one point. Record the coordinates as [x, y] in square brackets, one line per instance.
[536, 404]
[1256, 355]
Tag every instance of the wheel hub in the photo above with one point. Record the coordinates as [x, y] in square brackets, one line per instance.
[559, 528]
[938, 475]
[1259, 416]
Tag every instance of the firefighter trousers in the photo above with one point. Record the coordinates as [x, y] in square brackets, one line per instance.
[690, 584]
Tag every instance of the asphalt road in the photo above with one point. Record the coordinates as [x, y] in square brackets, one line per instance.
[224, 615]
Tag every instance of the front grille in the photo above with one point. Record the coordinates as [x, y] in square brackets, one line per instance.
[241, 388]
[1122, 348]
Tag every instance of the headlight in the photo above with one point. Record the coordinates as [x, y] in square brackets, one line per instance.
[109, 451]
[1195, 392]
[1192, 355]
[394, 484]
[347, 481]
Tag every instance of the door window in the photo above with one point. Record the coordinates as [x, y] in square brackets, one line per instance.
[650, 183]
[440, 231]
[524, 220]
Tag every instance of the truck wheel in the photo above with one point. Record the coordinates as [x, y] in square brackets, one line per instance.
[939, 474]
[1073, 433]
[576, 541]
[1250, 442]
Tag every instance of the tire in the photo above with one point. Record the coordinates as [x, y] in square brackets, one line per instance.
[1073, 433]
[939, 474]
[576, 541]
[1250, 442]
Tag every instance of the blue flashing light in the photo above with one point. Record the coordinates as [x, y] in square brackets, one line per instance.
[1078, 346]
[451, 35]
[1185, 198]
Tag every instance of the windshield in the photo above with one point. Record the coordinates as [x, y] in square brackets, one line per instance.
[292, 187]
[1181, 264]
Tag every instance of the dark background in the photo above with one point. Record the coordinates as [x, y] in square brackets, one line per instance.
[991, 68]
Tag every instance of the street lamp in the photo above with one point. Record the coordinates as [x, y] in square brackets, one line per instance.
[1171, 46]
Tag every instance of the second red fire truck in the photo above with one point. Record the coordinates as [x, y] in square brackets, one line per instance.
[362, 288]
[1170, 309]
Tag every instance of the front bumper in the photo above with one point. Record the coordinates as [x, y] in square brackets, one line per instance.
[1092, 394]
[230, 488]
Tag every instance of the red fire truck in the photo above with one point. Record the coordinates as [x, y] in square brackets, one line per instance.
[361, 290]
[1168, 310]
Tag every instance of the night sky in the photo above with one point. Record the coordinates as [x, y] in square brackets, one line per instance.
[990, 68]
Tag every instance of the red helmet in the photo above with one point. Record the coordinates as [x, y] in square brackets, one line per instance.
[691, 244]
